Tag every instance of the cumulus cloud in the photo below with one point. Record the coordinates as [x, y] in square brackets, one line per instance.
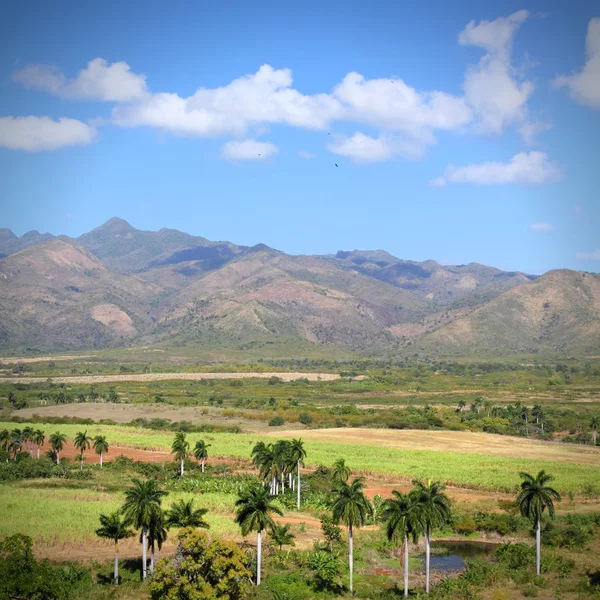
[34, 134]
[361, 148]
[525, 168]
[541, 227]
[584, 86]
[595, 255]
[492, 87]
[248, 150]
[98, 81]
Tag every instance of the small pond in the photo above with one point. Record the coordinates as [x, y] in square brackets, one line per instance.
[452, 556]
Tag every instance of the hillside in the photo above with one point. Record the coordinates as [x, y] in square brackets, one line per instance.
[58, 295]
[120, 286]
[559, 312]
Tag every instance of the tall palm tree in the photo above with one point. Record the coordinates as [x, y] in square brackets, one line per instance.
[524, 414]
[100, 446]
[27, 437]
[180, 449]
[535, 496]
[402, 517]
[183, 514]
[297, 456]
[595, 425]
[57, 443]
[142, 501]
[434, 508]
[5, 441]
[253, 513]
[112, 527]
[38, 439]
[350, 506]
[157, 535]
[16, 442]
[341, 471]
[538, 413]
[201, 452]
[82, 442]
[461, 405]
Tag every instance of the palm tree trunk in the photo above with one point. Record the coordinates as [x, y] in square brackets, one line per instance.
[38, 451]
[427, 557]
[116, 574]
[58, 458]
[282, 482]
[203, 465]
[538, 548]
[181, 468]
[405, 565]
[100, 459]
[298, 485]
[350, 556]
[144, 555]
[81, 462]
[595, 435]
[152, 558]
[258, 557]
[290, 480]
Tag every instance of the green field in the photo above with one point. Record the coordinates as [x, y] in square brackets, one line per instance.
[477, 470]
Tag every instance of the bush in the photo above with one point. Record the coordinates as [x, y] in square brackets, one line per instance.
[465, 526]
[305, 419]
[327, 569]
[276, 421]
[516, 556]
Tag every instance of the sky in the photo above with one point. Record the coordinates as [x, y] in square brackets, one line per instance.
[460, 132]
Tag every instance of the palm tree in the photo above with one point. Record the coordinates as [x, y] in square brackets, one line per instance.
[538, 413]
[434, 508]
[100, 446]
[403, 521]
[201, 452]
[183, 514]
[341, 471]
[461, 405]
[27, 437]
[38, 439]
[57, 443]
[112, 527]
[180, 449]
[142, 501]
[297, 456]
[535, 496]
[595, 425]
[5, 441]
[82, 442]
[16, 442]
[253, 513]
[157, 534]
[350, 506]
[524, 414]
[282, 535]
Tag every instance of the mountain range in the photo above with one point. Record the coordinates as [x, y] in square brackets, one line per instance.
[119, 286]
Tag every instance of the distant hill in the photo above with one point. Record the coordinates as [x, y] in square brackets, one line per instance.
[120, 286]
[557, 313]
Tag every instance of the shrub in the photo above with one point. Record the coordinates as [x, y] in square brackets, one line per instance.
[305, 419]
[276, 421]
[327, 569]
[516, 556]
[465, 526]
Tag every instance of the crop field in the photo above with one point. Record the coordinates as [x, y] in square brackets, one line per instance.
[394, 454]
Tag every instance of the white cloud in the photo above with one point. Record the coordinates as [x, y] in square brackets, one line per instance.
[541, 227]
[361, 148]
[98, 81]
[306, 155]
[595, 255]
[584, 86]
[492, 88]
[34, 134]
[248, 150]
[531, 168]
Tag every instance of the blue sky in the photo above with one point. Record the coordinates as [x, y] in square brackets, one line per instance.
[463, 131]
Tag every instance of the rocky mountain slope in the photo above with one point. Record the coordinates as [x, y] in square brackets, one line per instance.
[117, 285]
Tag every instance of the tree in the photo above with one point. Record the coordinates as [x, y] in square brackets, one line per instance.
[38, 439]
[253, 513]
[157, 534]
[434, 508]
[350, 506]
[82, 442]
[535, 496]
[180, 449]
[113, 527]
[100, 446]
[282, 535]
[327, 569]
[341, 471]
[595, 425]
[201, 452]
[27, 437]
[524, 414]
[16, 442]
[204, 568]
[57, 443]
[538, 413]
[331, 532]
[5, 437]
[402, 517]
[142, 501]
[297, 456]
[461, 405]
[183, 514]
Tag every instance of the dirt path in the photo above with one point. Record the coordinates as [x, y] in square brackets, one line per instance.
[183, 376]
[43, 358]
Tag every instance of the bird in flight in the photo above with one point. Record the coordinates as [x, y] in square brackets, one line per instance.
[335, 164]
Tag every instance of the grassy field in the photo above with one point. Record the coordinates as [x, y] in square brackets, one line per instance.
[470, 460]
